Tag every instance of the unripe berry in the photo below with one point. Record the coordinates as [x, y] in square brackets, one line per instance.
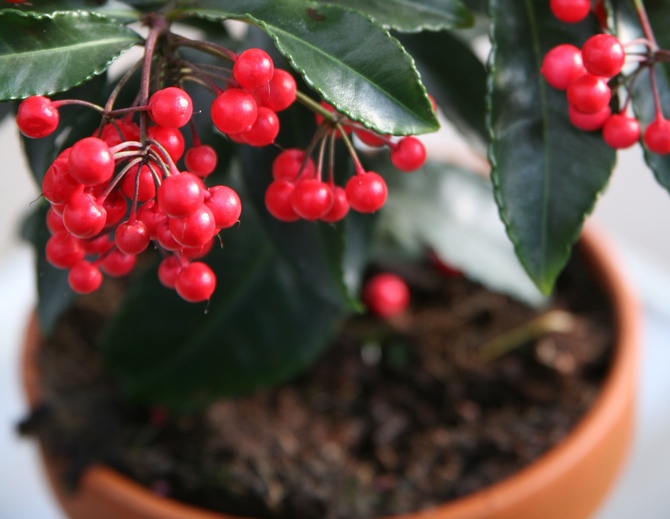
[386, 295]
[170, 107]
[37, 117]
[366, 193]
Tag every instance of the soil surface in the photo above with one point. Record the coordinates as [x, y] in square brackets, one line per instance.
[396, 416]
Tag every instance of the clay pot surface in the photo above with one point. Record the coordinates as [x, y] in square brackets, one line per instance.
[569, 482]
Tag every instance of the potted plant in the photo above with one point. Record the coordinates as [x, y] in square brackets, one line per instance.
[235, 181]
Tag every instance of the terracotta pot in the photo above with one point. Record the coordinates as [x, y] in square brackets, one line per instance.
[568, 482]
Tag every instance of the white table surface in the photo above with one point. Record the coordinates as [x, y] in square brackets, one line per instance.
[642, 492]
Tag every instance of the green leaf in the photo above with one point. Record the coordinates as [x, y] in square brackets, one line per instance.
[42, 54]
[265, 322]
[458, 83]
[644, 103]
[547, 174]
[465, 230]
[111, 9]
[376, 83]
[413, 15]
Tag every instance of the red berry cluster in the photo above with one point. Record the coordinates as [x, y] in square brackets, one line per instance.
[111, 195]
[587, 75]
[247, 112]
[298, 190]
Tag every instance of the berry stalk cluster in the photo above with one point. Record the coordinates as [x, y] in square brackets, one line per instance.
[133, 183]
[589, 75]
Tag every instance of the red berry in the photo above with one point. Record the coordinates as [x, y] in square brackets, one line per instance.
[311, 198]
[561, 65]
[340, 206]
[588, 94]
[225, 205]
[195, 229]
[366, 193]
[264, 130]
[168, 270]
[278, 201]
[180, 195]
[170, 139]
[139, 180]
[54, 221]
[234, 111]
[657, 136]
[63, 250]
[132, 237]
[164, 237]
[603, 55]
[193, 253]
[151, 215]
[588, 122]
[621, 131]
[115, 206]
[386, 295]
[37, 117]
[287, 164]
[117, 264]
[195, 282]
[84, 278]
[119, 131]
[84, 216]
[279, 94]
[97, 246]
[370, 138]
[91, 162]
[253, 68]
[570, 11]
[58, 185]
[201, 160]
[409, 154]
[170, 107]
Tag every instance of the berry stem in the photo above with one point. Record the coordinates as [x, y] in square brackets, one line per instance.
[644, 22]
[360, 170]
[207, 47]
[118, 177]
[78, 102]
[331, 159]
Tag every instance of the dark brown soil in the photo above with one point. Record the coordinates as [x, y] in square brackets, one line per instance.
[395, 416]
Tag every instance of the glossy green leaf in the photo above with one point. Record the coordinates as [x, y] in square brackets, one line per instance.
[413, 15]
[113, 9]
[455, 77]
[375, 83]
[264, 323]
[547, 174]
[47, 54]
[644, 103]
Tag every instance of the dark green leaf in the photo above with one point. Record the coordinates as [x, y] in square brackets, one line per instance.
[264, 323]
[454, 76]
[547, 174]
[375, 83]
[47, 54]
[111, 9]
[644, 102]
[413, 15]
